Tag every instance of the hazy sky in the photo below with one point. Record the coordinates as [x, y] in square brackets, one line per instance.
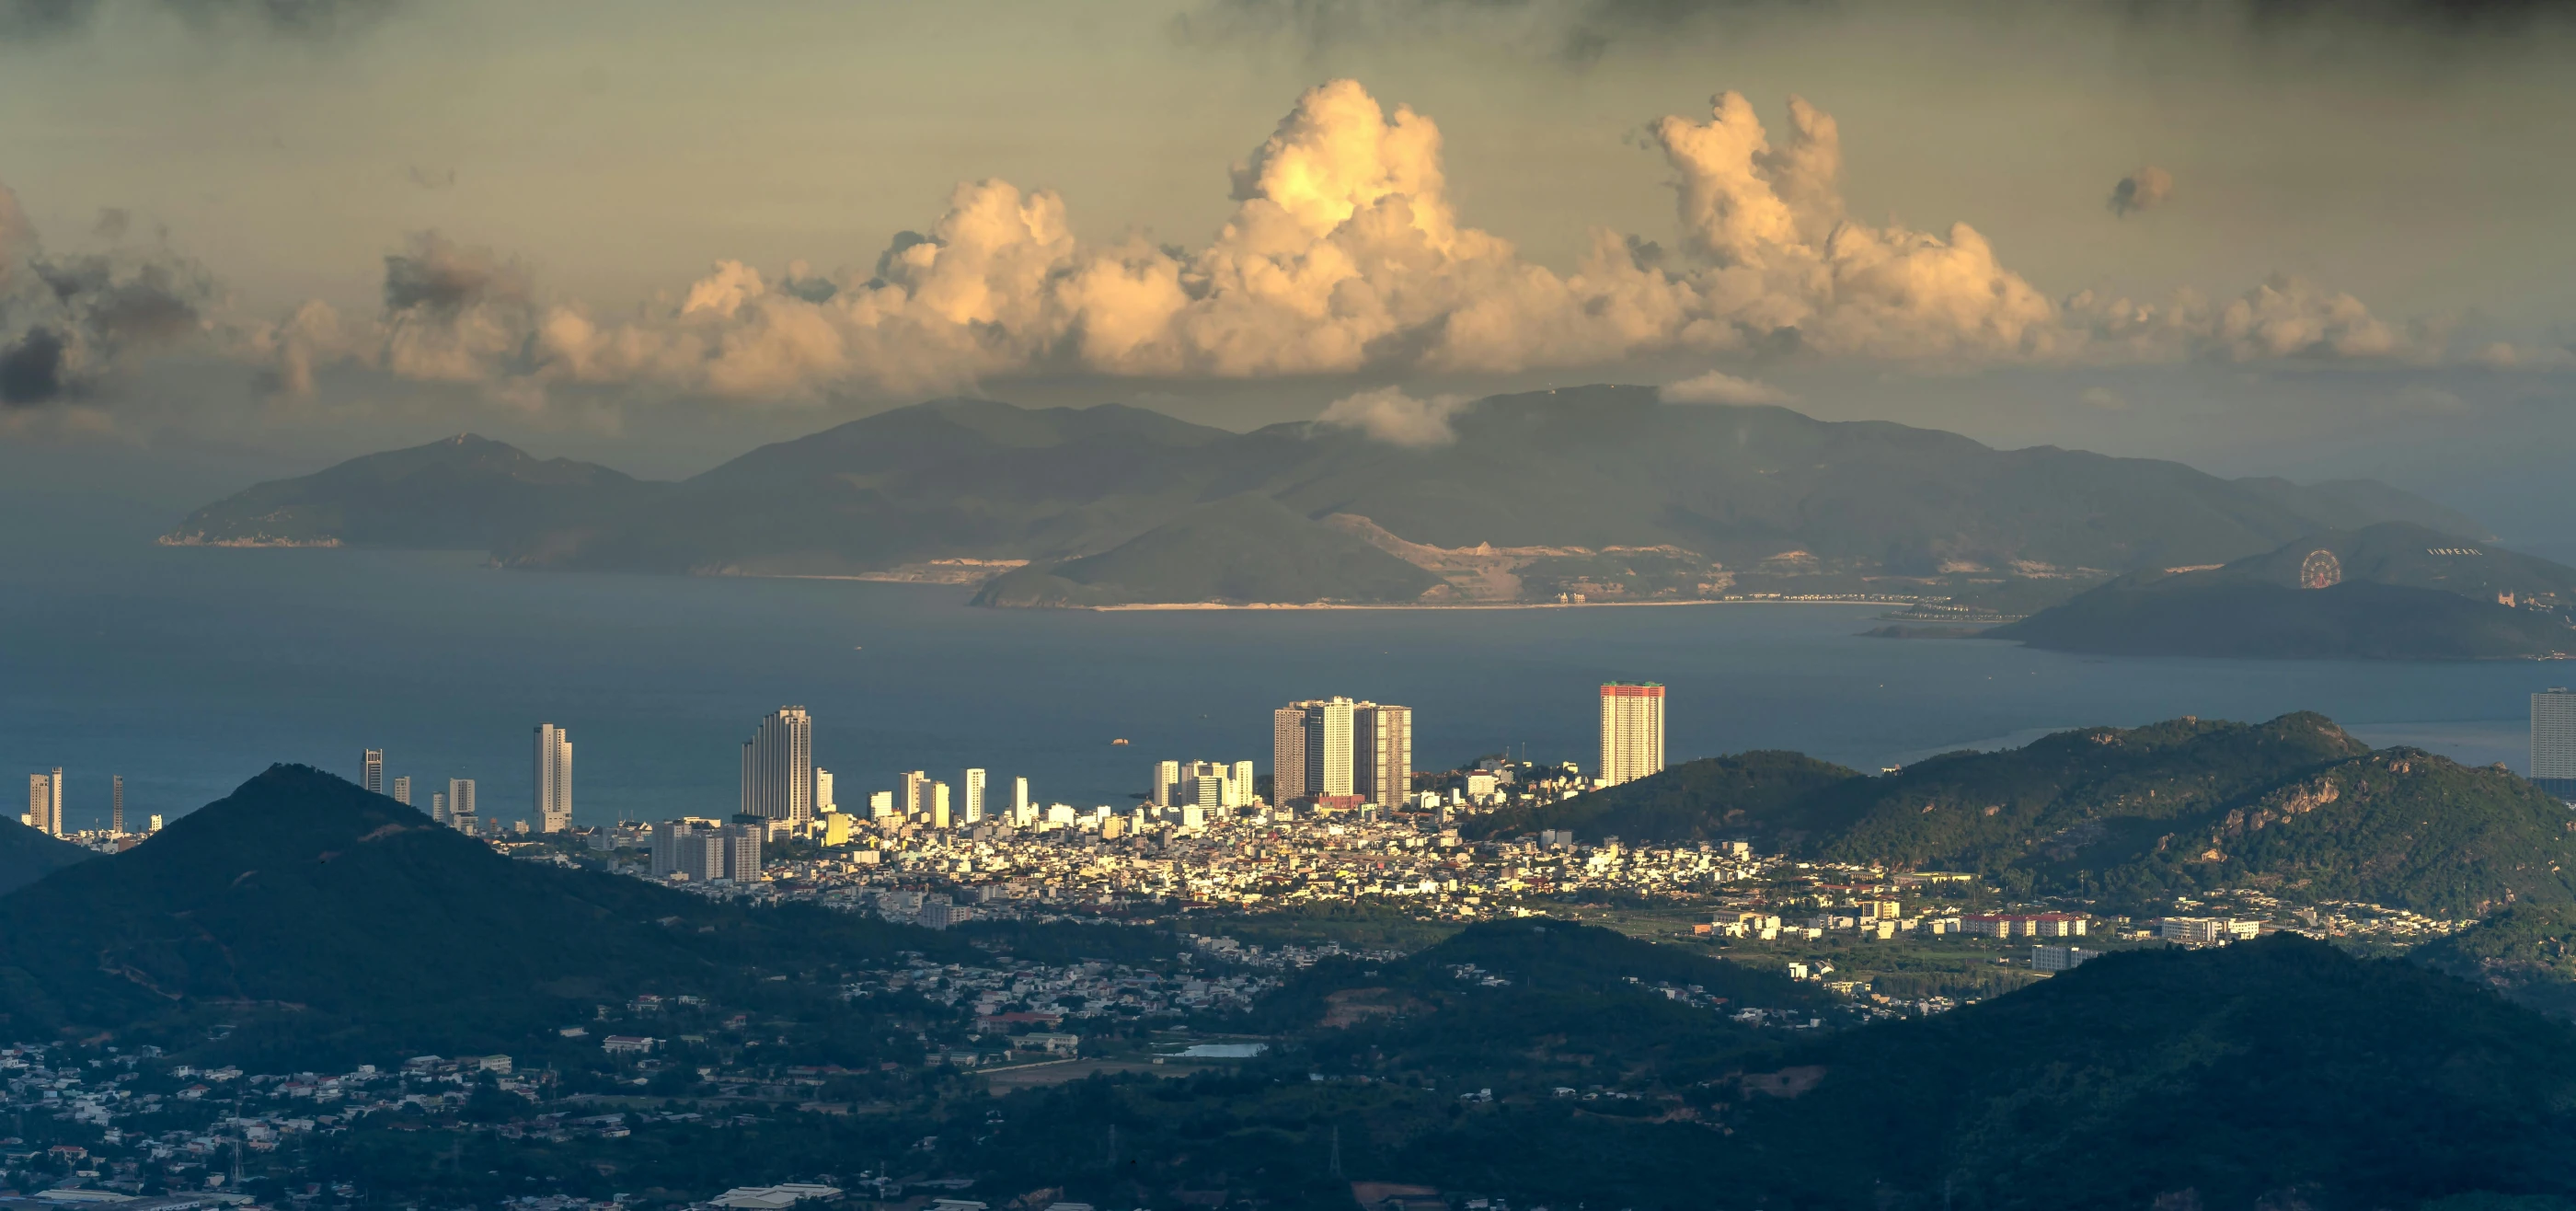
[1221, 241]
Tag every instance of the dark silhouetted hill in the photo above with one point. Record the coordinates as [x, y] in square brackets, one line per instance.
[27, 855]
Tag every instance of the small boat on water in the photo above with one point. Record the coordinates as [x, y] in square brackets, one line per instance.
[1120, 742]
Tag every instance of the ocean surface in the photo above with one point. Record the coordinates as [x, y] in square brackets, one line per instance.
[189, 670]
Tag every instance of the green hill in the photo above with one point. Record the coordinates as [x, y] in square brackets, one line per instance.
[2398, 592]
[1243, 549]
[2133, 816]
[1602, 490]
[27, 855]
[352, 920]
[2527, 952]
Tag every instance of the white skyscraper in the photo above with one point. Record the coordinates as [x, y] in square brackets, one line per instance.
[1167, 783]
[552, 779]
[823, 801]
[778, 767]
[372, 771]
[2553, 743]
[402, 790]
[974, 787]
[438, 806]
[1632, 731]
[1019, 802]
[938, 796]
[1328, 746]
[916, 789]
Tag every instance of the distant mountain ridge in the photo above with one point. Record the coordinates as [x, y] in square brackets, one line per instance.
[2386, 591]
[27, 855]
[1603, 491]
[2131, 816]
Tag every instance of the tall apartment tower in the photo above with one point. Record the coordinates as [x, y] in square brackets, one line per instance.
[778, 767]
[938, 805]
[552, 779]
[2553, 743]
[1382, 752]
[1328, 746]
[402, 790]
[823, 801]
[1167, 775]
[973, 784]
[372, 771]
[1019, 800]
[45, 802]
[438, 806]
[916, 791]
[1632, 731]
[116, 804]
[1288, 780]
[460, 805]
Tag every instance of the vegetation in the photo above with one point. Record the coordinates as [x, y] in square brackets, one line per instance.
[27, 855]
[2527, 952]
[2131, 817]
[342, 924]
[1243, 549]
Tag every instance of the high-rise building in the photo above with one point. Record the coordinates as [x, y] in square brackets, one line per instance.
[460, 805]
[1243, 783]
[116, 804]
[915, 794]
[938, 805]
[45, 802]
[1632, 731]
[1337, 748]
[2553, 743]
[1288, 778]
[823, 802]
[880, 804]
[1019, 802]
[372, 771]
[402, 790]
[438, 806]
[1167, 782]
[973, 785]
[550, 780]
[778, 767]
[1382, 753]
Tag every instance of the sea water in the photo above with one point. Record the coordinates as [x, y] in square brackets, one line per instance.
[188, 670]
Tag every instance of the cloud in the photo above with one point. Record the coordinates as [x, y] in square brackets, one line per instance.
[1389, 415]
[32, 22]
[112, 224]
[2104, 399]
[1343, 254]
[2145, 189]
[66, 322]
[1719, 387]
[1581, 32]
[433, 179]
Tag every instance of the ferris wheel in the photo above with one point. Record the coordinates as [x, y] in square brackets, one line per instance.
[2320, 570]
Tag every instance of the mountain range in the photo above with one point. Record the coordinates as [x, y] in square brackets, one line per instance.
[2130, 816]
[27, 855]
[1605, 492]
[2394, 590]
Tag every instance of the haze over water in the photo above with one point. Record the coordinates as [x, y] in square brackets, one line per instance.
[189, 669]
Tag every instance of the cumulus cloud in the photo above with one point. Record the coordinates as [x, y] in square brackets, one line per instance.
[67, 321]
[1343, 254]
[2145, 189]
[1719, 387]
[1391, 416]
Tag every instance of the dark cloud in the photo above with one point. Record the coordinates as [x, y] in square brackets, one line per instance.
[112, 224]
[35, 21]
[1581, 30]
[2145, 189]
[32, 369]
[438, 276]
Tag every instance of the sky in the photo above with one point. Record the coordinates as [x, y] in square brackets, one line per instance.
[2263, 236]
